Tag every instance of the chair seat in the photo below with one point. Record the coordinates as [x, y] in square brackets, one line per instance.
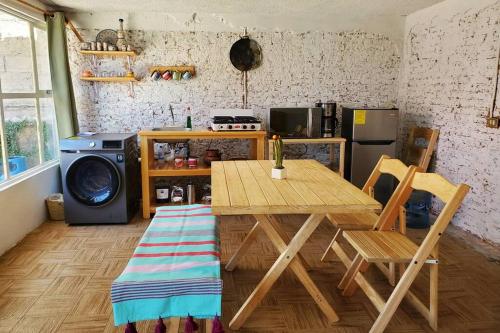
[359, 221]
[382, 246]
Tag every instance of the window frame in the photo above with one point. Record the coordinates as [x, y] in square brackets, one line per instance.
[37, 94]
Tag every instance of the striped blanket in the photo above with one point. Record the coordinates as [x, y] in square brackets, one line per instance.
[174, 271]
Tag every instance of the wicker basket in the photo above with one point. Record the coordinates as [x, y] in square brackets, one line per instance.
[55, 205]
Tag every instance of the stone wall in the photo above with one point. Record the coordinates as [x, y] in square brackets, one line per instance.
[449, 69]
[297, 70]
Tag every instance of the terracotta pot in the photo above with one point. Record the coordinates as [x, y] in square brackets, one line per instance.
[211, 155]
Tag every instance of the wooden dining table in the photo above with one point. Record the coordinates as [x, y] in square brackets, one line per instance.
[246, 188]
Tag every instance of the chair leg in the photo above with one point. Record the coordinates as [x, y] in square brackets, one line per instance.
[396, 297]
[388, 271]
[350, 272]
[329, 251]
[433, 306]
[352, 285]
[433, 292]
[392, 274]
[402, 269]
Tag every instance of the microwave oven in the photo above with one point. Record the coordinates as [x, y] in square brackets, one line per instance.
[295, 122]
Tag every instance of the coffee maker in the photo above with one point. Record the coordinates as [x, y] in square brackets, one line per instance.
[329, 120]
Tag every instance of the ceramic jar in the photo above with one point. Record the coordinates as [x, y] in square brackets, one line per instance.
[211, 155]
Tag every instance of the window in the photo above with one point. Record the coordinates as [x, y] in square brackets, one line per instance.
[28, 131]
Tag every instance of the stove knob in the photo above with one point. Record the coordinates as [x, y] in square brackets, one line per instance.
[244, 126]
[252, 127]
[229, 126]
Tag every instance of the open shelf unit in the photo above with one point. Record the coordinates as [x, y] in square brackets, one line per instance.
[150, 169]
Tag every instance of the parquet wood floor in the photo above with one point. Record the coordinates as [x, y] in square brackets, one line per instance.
[58, 279]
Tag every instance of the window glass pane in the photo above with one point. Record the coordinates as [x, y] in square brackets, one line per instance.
[42, 59]
[21, 134]
[49, 129]
[1, 163]
[16, 66]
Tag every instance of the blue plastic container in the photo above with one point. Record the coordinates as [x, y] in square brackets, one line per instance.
[17, 164]
[418, 209]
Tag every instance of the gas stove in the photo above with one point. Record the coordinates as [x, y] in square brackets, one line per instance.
[238, 123]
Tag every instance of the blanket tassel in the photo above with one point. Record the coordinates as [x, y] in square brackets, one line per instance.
[217, 325]
[130, 328]
[190, 326]
[160, 326]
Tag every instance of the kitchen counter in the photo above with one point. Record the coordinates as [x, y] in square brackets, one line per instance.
[151, 168]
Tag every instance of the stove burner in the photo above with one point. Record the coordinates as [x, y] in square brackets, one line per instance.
[246, 119]
[223, 120]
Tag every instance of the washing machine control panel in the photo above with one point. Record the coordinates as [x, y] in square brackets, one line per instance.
[119, 158]
[91, 144]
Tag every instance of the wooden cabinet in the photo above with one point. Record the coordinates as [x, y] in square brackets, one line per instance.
[150, 168]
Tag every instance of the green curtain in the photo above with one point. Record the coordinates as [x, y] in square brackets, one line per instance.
[62, 88]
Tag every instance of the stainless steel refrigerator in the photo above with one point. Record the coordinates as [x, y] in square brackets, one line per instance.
[370, 133]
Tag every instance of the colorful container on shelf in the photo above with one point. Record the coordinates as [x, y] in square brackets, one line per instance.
[176, 73]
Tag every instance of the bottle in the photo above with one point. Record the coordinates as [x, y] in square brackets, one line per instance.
[189, 125]
[162, 193]
[121, 43]
[161, 154]
[191, 194]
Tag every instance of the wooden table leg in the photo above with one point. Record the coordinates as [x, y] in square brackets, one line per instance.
[249, 239]
[342, 159]
[276, 225]
[286, 257]
[332, 155]
[261, 148]
[173, 324]
[272, 229]
[146, 156]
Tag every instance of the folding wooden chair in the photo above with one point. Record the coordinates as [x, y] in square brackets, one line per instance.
[382, 245]
[367, 221]
[417, 153]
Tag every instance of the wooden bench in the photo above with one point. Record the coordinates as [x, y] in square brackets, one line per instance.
[173, 273]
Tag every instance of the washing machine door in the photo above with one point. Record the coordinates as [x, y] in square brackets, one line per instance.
[93, 180]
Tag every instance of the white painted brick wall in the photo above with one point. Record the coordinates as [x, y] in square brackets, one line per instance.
[449, 66]
[297, 70]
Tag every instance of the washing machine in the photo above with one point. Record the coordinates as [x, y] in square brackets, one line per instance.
[100, 178]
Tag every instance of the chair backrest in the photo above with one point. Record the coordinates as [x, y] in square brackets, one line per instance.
[451, 195]
[418, 154]
[385, 165]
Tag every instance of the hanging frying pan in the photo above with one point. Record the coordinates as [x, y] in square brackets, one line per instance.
[245, 54]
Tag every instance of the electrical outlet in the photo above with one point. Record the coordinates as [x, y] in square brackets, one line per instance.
[493, 122]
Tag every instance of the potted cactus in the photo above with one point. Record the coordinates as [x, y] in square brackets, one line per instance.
[278, 171]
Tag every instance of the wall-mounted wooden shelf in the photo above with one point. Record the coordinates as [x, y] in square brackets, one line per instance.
[182, 69]
[110, 79]
[109, 53]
